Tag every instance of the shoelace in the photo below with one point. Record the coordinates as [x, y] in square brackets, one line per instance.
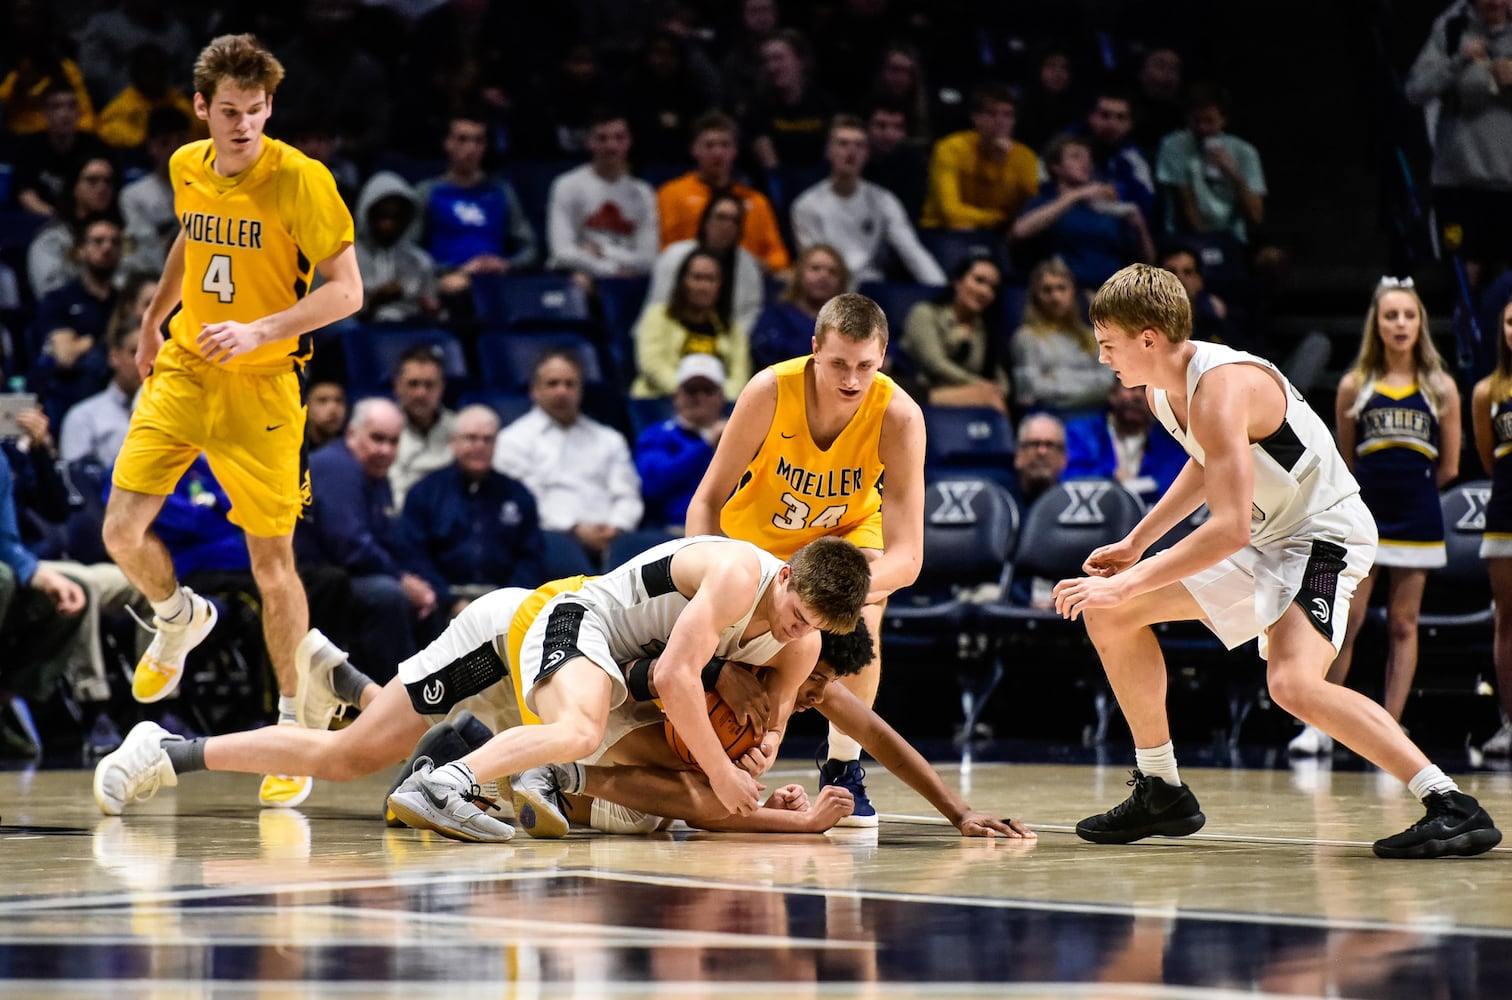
[476, 797]
[1438, 806]
[1140, 784]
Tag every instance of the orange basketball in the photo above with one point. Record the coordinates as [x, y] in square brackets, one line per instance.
[736, 736]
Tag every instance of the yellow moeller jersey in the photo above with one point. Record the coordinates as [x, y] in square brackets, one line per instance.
[251, 242]
[794, 491]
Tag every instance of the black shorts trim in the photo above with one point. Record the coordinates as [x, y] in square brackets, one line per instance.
[438, 693]
[1320, 586]
[561, 646]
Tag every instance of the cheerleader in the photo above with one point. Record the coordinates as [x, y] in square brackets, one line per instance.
[1398, 424]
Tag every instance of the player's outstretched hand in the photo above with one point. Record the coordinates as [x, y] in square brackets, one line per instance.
[975, 824]
[1072, 597]
[220, 342]
[744, 693]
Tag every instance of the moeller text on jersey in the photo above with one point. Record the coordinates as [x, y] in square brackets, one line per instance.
[823, 484]
[222, 231]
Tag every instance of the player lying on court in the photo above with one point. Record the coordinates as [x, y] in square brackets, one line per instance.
[686, 601]
[547, 798]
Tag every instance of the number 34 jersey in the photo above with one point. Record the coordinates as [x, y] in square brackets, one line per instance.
[794, 491]
[251, 241]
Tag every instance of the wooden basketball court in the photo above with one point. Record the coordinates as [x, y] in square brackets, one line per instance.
[199, 893]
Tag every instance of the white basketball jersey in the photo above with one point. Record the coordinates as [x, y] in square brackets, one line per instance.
[1298, 469]
[639, 603]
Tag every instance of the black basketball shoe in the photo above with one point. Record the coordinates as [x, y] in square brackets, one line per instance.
[1455, 826]
[1154, 809]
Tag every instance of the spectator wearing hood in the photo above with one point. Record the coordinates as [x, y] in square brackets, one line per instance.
[398, 275]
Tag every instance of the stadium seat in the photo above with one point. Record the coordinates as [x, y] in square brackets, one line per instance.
[506, 359]
[971, 529]
[621, 300]
[1060, 528]
[510, 406]
[632, 543]
[1456, 622]
[17, 228]
[950, 246]
[532, 180]
[565, 556]
[648, 413]
[373, 352]
[974, 438]
[896, 299]
[530, 301]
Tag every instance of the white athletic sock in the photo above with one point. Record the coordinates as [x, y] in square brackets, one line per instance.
[173, 607]
[1430, 779]
[286, 716]
[575, 777]
[1159, 762]
[842, 747]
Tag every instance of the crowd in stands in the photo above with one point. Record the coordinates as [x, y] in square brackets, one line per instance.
[672, 189]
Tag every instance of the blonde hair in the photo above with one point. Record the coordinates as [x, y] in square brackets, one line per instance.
[1501, 376]
[832, 577]
[1370, 364]
[854, 317]
[242, 60]
[794, 289]
[1041, 325]
[1144, 297]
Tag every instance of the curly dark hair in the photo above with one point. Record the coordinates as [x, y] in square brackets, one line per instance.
[848, 653]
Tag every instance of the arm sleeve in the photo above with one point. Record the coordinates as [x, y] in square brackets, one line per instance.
[319, 219]
[419, 504]
[647, 233]
[561, 233]
[924, 344]
[1435, 70]
[670, 462]
[658, 339]
[808, 224]
[749, 292]
[12, 552]
[345, 535]
[944, 182]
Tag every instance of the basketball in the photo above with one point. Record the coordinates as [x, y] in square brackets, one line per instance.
[736, 736]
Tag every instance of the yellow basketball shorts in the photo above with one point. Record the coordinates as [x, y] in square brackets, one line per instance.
[249, 422]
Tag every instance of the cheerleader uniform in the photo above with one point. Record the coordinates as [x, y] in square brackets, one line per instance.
[1496, 543]
[1396, 464]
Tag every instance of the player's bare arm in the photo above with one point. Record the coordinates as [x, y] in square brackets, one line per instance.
[170, 291]
[743, 435]
[1345, 432]
[339, 296]
[893, 752]
[1225, 414]
[721, 585]
[901, 450]
[1480, 419]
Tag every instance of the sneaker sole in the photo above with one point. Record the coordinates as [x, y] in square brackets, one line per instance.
[288, 803]
[1171, 828]
[858, 821]
[417, 820]
[1466, 845]
[178, 677]
[537, 817]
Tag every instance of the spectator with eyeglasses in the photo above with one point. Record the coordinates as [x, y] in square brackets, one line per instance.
[1039, 457]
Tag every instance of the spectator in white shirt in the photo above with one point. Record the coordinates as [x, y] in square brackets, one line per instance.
[857, 217]
[94, 428]
[600, 220]
[579, 471]
[425, 442]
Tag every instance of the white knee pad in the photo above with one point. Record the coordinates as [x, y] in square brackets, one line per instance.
[608, 817]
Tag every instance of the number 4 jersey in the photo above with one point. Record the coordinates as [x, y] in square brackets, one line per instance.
[251, 241]
[794, 491]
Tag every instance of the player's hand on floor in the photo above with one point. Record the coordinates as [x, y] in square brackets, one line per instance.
[791, 797]
[975, 824]
[738, 792]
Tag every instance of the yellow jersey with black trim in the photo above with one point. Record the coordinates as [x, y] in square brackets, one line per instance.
[251, 242]
[795, 491]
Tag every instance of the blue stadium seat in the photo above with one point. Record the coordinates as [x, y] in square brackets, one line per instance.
[648, 413]
[977, 438]
[510, 406]
[632, 543]
[621, 300]
[412, 168]
[531, 301]
[950, 246]
[565, 556]
[896, 299]
[532, 181]
[1457, 598]
[506, 359]
[373, 352]
[17, 228]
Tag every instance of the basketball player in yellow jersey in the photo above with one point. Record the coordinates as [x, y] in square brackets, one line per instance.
[255, 215]
[803, 456]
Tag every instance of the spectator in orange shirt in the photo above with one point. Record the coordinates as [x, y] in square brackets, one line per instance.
[680, 202]
[981, 178]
